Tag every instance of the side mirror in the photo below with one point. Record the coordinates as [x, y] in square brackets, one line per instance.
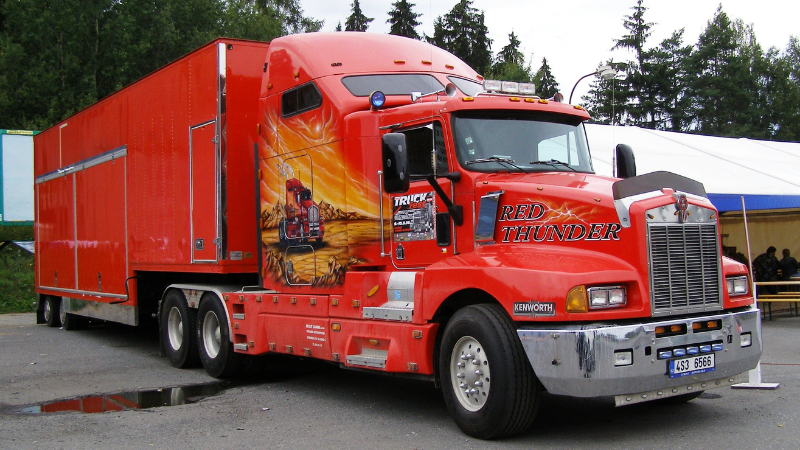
[395, 163]
[626, 163]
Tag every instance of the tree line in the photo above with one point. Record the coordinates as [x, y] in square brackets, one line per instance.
[59, 56]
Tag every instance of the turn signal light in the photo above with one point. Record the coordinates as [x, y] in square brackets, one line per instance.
[577, 301]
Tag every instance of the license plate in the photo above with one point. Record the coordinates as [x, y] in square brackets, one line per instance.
[691, 365]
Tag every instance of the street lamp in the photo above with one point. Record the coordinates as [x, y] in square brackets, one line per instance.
[605, 72]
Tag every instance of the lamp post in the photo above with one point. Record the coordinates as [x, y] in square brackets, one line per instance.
[605, 72]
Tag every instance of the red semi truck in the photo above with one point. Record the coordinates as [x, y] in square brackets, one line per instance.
[173, 197]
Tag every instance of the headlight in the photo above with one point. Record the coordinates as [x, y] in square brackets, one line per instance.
[607, 297]
[737, 286]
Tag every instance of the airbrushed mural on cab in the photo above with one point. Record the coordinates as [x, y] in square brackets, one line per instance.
[317, 220]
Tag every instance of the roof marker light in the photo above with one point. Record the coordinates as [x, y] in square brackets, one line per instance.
[377, 99]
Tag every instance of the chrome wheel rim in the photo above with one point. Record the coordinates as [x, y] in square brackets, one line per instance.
[175, 328]
[212, 335]
[48, 311]
[62, 313]
[469, 373]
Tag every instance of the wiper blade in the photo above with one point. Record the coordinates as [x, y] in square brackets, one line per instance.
[498, 159]
[554, 163]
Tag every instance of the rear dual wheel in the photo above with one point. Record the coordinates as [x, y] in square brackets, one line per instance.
[178, 324]
[488, 384]
[214, 339]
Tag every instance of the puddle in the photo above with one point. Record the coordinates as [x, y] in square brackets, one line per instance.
[121, 401]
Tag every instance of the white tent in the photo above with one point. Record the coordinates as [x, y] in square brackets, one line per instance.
[765, 173]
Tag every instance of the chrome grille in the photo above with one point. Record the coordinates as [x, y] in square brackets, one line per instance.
[684, 268]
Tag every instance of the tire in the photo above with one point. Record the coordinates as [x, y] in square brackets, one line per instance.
[213, 339]
[52, 311]
[69, 321]
[177, 328]
[488, 384]
[282, 238]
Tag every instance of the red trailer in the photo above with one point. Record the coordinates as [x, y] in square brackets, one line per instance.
[371, 201]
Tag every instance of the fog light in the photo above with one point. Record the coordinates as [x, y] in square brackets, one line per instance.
[717, 347]
[679, 352]
[692, 350]
[623, 358]
[666, 354]
[746, 339]
[705, 348]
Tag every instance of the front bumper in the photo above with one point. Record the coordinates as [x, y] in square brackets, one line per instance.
[578, 360]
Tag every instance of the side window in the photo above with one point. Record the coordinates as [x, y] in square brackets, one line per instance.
[300, 100]
[427, 154]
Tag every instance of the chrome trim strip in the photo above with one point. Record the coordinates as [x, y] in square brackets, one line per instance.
[623, 206]
[85, 164]
[77, 291]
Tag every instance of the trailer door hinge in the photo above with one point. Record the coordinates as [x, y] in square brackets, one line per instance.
[217, 241]
[215, 140]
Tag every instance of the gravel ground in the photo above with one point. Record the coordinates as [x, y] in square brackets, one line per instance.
[292, 403]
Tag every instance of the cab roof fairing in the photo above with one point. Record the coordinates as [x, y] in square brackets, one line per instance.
[299, 58]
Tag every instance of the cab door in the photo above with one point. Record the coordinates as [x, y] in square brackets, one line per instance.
[421, 227]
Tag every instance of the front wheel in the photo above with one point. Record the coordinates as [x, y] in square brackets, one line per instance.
[488, 384]
[213, 339]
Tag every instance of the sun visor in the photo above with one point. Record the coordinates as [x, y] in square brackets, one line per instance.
[656, 181]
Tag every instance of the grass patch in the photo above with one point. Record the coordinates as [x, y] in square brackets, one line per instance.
[16, 272]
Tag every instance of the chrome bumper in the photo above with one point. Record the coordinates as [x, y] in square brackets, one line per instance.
[579, 360]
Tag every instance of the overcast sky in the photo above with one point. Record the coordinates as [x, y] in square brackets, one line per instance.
[576, 35]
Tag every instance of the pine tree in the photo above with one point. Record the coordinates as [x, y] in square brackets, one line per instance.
[666, 67]
[783, 92]
[403, 20]
[357, 21]
[637, 86]
[724, 88]
[546, 84]
[510, 64]
[463, 33]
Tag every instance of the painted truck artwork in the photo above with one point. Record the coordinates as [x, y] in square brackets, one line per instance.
[371, 201]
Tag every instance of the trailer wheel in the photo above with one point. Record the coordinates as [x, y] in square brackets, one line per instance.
[178, 323]
[213, 339]
[488, 384]
[69, 321]
[52, 311]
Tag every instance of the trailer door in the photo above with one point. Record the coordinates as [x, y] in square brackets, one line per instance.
[205, 193]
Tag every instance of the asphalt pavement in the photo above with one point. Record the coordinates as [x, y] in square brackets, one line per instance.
[292, 403]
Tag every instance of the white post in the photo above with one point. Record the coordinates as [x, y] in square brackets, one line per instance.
[754, 376]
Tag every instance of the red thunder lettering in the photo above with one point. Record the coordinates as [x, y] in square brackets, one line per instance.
[505, 213]
[523, 233]
[595, 232]
[571, 237]
[520, 214]
[561, 233]
[536, 211]
[525, 211]
[611, 232]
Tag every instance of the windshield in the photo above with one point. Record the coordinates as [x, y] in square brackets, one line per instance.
[489, 141]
